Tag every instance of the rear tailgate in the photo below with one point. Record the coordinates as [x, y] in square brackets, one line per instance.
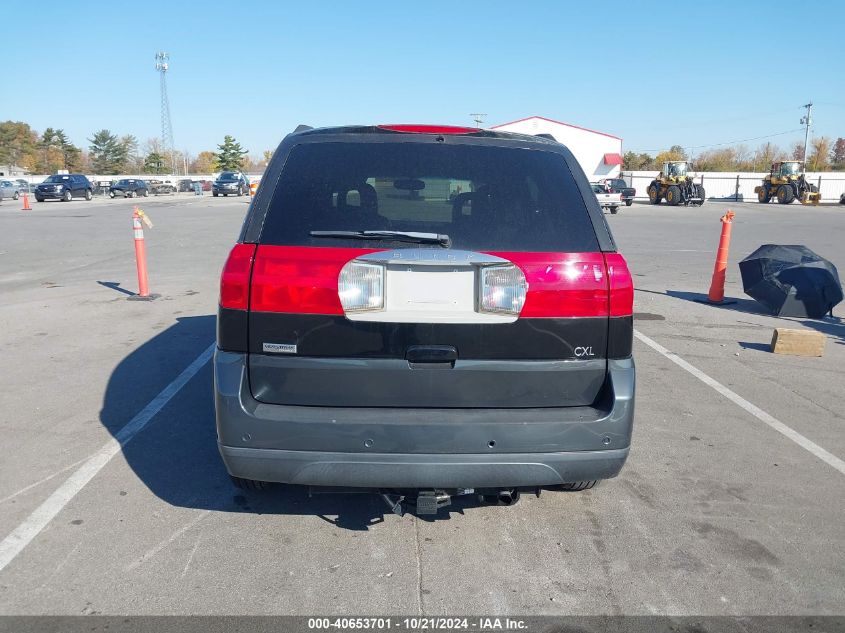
[429, 345]
[304, 350]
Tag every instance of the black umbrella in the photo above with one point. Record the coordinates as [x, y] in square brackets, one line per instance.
[791, 281]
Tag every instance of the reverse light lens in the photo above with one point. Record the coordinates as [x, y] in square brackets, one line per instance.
[361, 287]
[502, 289]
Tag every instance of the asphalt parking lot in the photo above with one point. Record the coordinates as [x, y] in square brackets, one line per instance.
[718, 510]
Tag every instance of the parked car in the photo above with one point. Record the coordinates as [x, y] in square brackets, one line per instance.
[607, 198]
[424, 310]
[159, 187]
[842, 199]
[128, 188]
[230, 183]
[9, 189]
[64, 187]
[22, 185]
[618, 185]
[185, 185]
[206, 185]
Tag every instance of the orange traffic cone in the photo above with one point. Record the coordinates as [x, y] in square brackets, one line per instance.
[138, 217]
[26, 206]
[717, 283]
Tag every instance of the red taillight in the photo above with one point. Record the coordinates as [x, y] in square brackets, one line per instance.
[429, 129]
[299, 280]
[621, 285]
[234, 281]
[562, 284]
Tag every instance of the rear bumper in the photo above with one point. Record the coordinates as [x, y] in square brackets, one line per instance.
[385, 470]
[420, 448]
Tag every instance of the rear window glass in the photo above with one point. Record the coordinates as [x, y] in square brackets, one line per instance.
[484, 198]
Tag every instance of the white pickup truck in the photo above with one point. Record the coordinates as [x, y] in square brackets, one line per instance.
[607, 200]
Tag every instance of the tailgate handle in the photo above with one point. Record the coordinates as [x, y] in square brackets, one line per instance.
[422, 356]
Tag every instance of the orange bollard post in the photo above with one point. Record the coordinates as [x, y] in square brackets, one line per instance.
[26, 206]
[253, 187]
[717, 284]
[141, 257]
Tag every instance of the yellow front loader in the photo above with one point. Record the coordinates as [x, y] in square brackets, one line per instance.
[674, 185]
[786, 182]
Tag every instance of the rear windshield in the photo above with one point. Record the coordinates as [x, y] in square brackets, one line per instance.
[483, 198]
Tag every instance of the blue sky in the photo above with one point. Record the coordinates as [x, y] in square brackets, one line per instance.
[715, 72]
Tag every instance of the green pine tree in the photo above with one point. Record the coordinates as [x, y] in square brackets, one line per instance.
[154, 163]
[229, 155]
[108, 154]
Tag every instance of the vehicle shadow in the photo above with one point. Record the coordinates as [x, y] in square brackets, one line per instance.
[176, 454]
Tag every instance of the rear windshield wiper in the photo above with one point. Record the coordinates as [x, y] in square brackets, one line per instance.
[399, 236]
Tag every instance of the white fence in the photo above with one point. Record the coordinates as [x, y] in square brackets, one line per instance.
[739, 186]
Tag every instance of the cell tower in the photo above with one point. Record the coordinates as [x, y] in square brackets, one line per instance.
[478, 117]
[162, 65]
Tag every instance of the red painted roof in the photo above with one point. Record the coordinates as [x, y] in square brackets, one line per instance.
[612, 159]
[577, 127]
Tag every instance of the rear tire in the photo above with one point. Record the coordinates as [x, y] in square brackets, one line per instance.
[628, 203]
[145, 193]
[653, 193]
[578, 486]
[16, 196]
[88, 194]
[673, 196]
[249, 484]
[701, 194]
[785, 194]
[614, 210]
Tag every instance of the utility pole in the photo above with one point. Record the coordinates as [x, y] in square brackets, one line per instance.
[478, 117]
[807, 121]
[162, 65]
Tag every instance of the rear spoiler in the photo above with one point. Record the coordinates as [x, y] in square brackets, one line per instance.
[302, 128]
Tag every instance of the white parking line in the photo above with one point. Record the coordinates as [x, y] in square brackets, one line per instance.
[22, 535]
[41, 481]
[754, 410]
